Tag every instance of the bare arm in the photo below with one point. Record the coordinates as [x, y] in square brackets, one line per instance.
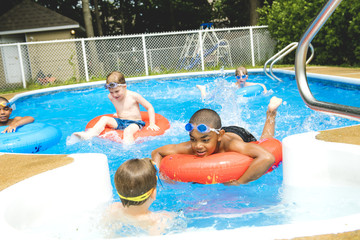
[158, 154]
[150, 109]
[18, 122]
[259, 166]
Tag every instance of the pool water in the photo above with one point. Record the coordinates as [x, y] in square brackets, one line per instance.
[258, 203]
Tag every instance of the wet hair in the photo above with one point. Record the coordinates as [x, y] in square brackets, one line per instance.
[116, 77]
[3, 99]
[242, 69]
[206, 116]
[134, 178]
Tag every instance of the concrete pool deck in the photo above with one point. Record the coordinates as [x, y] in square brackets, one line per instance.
[344, 72]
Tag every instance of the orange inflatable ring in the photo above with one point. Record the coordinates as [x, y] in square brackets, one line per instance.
[215, 168]
[117, 135]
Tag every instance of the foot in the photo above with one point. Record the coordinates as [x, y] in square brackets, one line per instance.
[83, 135]
[275, 102]
[202, 89]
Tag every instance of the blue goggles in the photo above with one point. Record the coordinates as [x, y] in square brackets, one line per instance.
[201, 128]
[114, 85]
[240, 77]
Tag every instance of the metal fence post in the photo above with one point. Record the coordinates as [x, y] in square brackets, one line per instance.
[145, 55]
[252, 47]
[85, 61]
[21, 65]
[201, 51]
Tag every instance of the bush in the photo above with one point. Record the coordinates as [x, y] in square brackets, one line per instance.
[336, 43]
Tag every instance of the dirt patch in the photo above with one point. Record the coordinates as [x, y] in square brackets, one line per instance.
[17, 167]
[350, 135]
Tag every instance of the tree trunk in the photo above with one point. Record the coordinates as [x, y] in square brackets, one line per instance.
[254, 15]
[98, 20]
[87, 18]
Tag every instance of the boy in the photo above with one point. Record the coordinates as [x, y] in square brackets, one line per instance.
[135, 182]
[127, 116]
[13, 124]
[241, 75]
[208, 137]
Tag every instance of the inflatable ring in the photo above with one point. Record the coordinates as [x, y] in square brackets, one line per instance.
[250, 91]
[30, 138]
[117, 135]
[215, 168]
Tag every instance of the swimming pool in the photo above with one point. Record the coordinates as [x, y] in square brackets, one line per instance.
[259, 203]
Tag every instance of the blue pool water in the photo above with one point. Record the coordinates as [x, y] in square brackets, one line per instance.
[258, 203]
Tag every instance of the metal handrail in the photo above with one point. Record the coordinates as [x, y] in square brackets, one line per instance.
[282, 53]
[286, 53]
[292, 45]
[300, 68]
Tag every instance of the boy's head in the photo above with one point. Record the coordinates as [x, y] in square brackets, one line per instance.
[116, 84]
[116, 77]
[5, 110]
[241, 74]
[205, 132]
[135, 181]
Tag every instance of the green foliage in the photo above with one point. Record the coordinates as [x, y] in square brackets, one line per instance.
[337, 41]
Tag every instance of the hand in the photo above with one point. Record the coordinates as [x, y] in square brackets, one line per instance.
[153, 127]
[9, 129]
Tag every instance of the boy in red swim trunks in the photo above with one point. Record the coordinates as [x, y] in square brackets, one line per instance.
[207, 137]
[127, 116]
[14, 123]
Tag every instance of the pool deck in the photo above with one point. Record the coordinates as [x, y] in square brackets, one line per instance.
[334, 71]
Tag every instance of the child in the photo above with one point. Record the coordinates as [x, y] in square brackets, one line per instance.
[127, 117]
[135, 181]
[241, 75]
[207, 137]
[13, 124]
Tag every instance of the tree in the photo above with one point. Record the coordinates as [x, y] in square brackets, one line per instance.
[87, 18]
[97, 17]
[254, 16]
[337, 41]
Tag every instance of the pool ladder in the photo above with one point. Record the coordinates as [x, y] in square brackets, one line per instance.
[300, 68]
[282, 53]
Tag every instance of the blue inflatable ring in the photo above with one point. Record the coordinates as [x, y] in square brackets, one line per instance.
[30, 138]
[250, 91]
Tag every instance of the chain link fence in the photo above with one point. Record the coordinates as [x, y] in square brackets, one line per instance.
[79, 60]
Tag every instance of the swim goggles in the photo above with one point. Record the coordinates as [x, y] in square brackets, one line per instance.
[114, 85]
[5, 104]
[202, 128]
[240, 77]
[138, 198]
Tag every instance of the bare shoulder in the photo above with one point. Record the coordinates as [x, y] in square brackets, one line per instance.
[232, 142]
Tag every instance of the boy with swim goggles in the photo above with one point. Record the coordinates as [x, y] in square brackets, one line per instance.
[208, 137]
[135, 182]
[14, 123]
